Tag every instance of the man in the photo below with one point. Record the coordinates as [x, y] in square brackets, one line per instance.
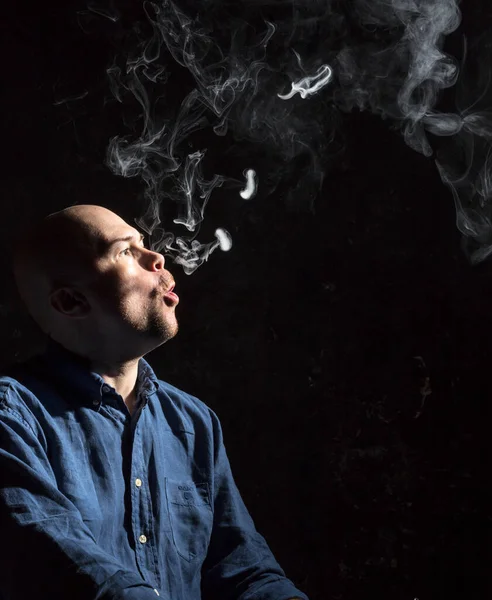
[113, 483]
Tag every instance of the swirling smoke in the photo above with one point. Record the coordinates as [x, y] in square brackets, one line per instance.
[277, 76]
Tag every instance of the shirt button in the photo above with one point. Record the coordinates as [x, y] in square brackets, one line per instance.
[95, 402]
[138, 482]
[142, 539]
[106, 388]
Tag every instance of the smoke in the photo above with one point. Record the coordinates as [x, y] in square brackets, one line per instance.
[275, 77]
[465, 163]
[251, 185]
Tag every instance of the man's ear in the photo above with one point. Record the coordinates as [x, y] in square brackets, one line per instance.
[70, 302]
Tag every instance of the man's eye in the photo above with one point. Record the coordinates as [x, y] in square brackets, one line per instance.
[126, 250]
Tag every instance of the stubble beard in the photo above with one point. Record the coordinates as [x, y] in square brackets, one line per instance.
[168, 327]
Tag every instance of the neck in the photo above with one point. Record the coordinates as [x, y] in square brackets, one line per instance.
[131, 401]
[122, 377]
[119, 374]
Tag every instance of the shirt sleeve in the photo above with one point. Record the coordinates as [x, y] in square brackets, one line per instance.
[48, 551]
[239, 564]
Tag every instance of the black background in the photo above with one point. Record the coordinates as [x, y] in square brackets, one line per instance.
[346, 350]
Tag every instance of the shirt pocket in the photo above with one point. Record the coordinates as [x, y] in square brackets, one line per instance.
[191, 517]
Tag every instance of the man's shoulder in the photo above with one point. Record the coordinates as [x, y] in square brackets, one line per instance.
[16, 393]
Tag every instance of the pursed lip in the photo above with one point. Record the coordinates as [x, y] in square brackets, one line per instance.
[170, 298]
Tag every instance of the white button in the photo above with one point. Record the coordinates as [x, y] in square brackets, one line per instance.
[142, 539]
[156, 591]
[138, 482]
[106, 388]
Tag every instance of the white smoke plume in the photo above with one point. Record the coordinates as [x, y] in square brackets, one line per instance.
[275, 77]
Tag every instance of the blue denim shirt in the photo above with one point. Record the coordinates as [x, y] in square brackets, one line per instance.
[96, 503]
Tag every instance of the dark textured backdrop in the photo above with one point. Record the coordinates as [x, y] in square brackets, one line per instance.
[346, 350]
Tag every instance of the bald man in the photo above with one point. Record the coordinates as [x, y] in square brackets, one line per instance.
[114, 484]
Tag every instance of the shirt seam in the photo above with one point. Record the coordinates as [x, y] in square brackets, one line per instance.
[15, 413]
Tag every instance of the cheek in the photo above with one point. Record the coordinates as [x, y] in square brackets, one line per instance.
[126, 295]
[108, 290]
[111, 302]
[137, 303]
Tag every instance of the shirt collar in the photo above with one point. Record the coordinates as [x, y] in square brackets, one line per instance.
[73, 373]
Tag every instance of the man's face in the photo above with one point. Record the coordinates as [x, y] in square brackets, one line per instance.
[128, 296]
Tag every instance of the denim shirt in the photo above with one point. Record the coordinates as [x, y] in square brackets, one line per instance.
[96, 503]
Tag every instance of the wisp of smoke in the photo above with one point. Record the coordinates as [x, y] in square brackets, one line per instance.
[276, 76]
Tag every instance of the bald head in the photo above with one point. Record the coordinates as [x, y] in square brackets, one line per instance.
[90, 283]
[58, 252]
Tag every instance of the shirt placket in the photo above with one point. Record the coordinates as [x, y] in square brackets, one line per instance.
[142, 519]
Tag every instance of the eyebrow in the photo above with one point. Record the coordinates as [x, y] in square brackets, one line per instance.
[128, 238]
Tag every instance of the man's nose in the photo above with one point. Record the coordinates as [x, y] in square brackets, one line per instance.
[158, 260]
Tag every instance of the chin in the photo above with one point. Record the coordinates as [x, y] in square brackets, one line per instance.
[170, 330]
